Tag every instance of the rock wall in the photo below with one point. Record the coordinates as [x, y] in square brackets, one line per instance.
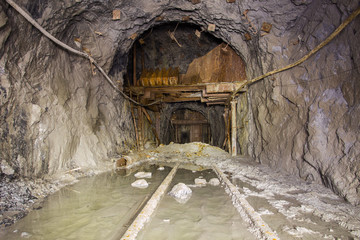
[55, 115]
[305, 120]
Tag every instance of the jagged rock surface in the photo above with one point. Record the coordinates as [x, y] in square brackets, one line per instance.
[305, 120]
[54, 114]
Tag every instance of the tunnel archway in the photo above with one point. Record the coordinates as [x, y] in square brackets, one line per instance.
[213, 115]
[197, 57]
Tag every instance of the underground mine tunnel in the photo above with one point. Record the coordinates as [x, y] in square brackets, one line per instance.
[196, 119]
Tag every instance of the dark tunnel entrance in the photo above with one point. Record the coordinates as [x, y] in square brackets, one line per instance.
[190, 126]
[189, 72]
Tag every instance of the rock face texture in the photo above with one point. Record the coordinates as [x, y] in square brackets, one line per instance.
[57, 115]
[305, 120]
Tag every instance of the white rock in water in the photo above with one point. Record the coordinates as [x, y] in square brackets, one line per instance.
[143, 175]
[25, 235]
[200, 181]
[141, 183]
[214, 182]
[181, 193]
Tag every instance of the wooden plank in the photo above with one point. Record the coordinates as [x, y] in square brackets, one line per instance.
[150, 121]
[178, 88]
[135, 126]
[141, 128]
[134, 66]
[221, 95]
[222, 87]
[212, 99]
[174, 99]
[116, 14]
[211, 88]
[233, 128]
[204, 100]
[215, 103]
[188, 122]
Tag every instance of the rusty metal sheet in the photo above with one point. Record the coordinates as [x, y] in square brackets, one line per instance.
[221, 64]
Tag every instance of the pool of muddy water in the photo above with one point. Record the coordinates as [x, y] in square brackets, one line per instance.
[103, 206]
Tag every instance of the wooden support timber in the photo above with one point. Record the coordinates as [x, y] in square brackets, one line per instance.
[141, 128]
[152, 127]
[233, 128]
[135, 126]
[209, 93]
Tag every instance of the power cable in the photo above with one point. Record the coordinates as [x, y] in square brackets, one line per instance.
[70, 49]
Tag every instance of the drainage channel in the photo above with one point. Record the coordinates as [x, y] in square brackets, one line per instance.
[160, 227]
[149, 208]
[207, 214]
[247, 212]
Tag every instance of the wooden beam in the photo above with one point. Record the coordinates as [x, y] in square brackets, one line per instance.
[215, 103]
[150, 121]
[174, 99]
[222, 87]
[134, 65]
[135, 126]
[157, 123]
[141, 128]
[178, 88]
[233, 128]
[188, 122]
[220, 95]
[215, 99]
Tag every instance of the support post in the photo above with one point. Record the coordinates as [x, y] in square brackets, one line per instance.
[151, 125]
[134, 66]
[233, 128]
[135, 126]
[141, 128]
[157, 124]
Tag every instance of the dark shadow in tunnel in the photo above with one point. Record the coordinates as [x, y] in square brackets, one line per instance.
[215, 127]
[189, 126]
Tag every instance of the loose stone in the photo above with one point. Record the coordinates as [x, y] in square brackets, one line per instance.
[141, 183]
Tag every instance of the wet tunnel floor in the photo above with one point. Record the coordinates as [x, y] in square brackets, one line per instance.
[102, 207]
[208, 214]
[93, 208]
